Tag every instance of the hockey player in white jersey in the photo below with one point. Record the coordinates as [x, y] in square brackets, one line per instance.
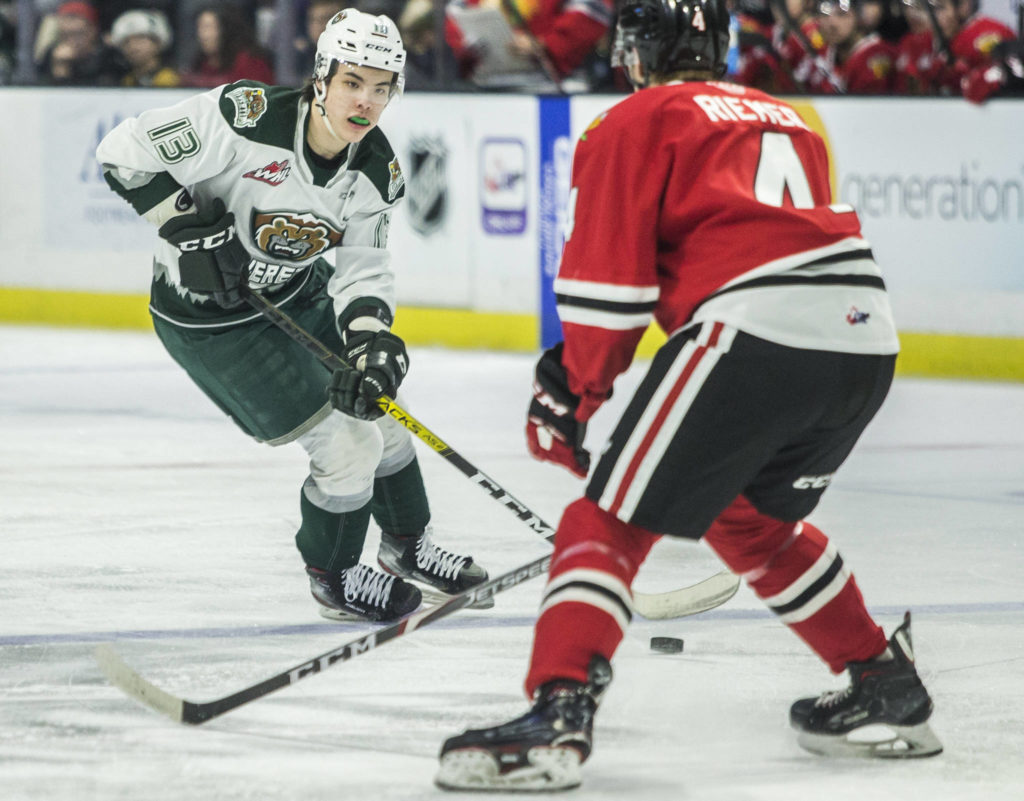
[290, 192]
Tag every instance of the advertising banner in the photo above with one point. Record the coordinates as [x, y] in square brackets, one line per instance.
[938, 185]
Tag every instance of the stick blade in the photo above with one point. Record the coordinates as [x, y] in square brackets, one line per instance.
[693, 600]
[133, 684]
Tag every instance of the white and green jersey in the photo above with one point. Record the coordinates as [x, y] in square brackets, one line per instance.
[245, 143]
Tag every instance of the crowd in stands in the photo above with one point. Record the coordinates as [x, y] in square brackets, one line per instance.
[868, 47]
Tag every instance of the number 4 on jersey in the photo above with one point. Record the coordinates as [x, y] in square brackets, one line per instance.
[780, 168]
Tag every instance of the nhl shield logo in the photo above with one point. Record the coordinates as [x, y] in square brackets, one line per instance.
[427, 186]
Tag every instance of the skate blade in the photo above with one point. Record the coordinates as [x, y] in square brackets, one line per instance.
[878, 741]
[341, 616]
[477, 769]
[328, 613]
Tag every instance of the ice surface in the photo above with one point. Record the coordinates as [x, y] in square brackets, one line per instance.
[132, 511]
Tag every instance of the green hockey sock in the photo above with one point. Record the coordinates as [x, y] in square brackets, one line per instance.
[331, 541]
[400, 501]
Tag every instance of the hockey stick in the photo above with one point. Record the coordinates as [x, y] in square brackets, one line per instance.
[702, 597]
[940, 44]
[659, 605]
[193, 712]
[539, 51]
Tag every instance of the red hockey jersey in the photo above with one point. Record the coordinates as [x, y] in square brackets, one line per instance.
[697, 201]
[868, 69]
[971, 50]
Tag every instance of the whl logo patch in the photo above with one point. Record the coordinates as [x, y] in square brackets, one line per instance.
[273, 174]
[293, 235]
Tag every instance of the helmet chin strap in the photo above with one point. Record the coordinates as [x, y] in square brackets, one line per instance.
[636, 67]
[320, 94]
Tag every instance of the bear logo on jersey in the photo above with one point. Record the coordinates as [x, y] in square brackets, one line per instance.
[292, 235]
[250, 105]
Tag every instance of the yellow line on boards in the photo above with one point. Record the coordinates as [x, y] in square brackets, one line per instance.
[923, 354]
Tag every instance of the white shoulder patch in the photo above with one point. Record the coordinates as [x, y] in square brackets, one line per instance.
[396, 180]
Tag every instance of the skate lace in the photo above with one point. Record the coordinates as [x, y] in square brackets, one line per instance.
[368, 585]
[431, 558]
[832, 698]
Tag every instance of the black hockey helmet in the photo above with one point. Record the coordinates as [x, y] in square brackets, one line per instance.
[666, 36]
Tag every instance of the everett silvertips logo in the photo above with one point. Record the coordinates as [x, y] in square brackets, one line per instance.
[293, 235]
[396, 179]
[250, 104]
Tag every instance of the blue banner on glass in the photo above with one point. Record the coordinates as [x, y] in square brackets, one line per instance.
[555, 165]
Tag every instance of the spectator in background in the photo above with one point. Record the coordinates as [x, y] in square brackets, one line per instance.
[859, 60]
[422, 52]
[318, 14]
[559, 34]
[78, 56]
[143, 37]
[227, 49]
[8, 43]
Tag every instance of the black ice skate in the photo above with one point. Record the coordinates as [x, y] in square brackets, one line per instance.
[440, 573]
[539, 751]
[362, 593]
[883, 713]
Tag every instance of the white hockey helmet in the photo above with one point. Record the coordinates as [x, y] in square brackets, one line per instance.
[362, 40]
[142, 23]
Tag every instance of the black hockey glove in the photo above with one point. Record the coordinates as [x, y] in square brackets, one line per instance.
[553, 434]
[377, 364]
[212, 260]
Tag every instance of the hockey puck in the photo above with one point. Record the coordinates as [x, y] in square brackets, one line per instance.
[667, 645]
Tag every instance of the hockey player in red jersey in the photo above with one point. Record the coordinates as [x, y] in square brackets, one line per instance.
[961, 42]
[857, 56]
[706, 206]
[774, 56]
[914, 51]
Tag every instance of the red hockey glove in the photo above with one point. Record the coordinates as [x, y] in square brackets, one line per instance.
[553, 434]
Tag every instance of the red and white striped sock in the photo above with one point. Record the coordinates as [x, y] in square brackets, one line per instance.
[587, 602]
[801, 577]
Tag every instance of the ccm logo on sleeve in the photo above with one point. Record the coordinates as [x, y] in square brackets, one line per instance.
[813, 482]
